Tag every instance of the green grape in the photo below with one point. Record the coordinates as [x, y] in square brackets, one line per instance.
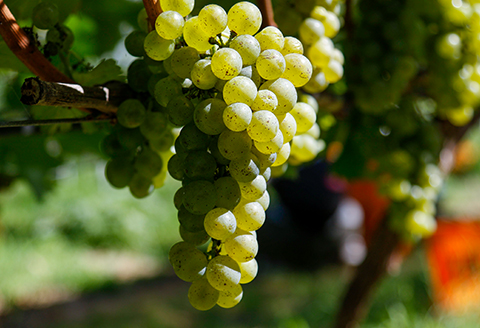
[188, 262]
[190, 222]
[265, 100]
[282, 155]
[244, 18]
[234, 144]
[194, 36]
[292, 46]
[271, 146]
[202, 75]
[248, 48]
[200, 197]
[254, 189]
[304, 116]
[142, 20]
[265, 199]
[317, 82]
[154, 125]
[183, 60]
[220, 223]
[208, 116]
[263, 127]
[285, 92]
[200, 164]
[333, 71]
[213, 19]
[223, 273]
[148, 163]
[305, 148]
[45, 15]
[309, 99]
[298, 69]
[138, 75]
[180, 110]
[140, 186]
[248, 271]
[152, 82]
[130, 138]
[264, 160]
[239, 89]
[229, 298]
[244, 169]
[242, 246]
[288, 126]
[250, 215]
[169, 25]
[226, 63]
[311, 30]
[237, 116]
[166, 89]
[157, 47]
[183, 7]
[321, 52]
[131, 113]
[191, 138]
[228, 193]
[202, 295]
[330, 21]
[178, 198]
[213, 147]
[119, 172]
[256, 78]
[270, 38]
[176, 167]
[112, 147]
[134, 43]
[197, 238]
[270, 64]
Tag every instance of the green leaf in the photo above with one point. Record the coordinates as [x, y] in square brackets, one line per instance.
[107, 70]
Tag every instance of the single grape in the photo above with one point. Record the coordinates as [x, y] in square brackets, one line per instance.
[180, 110]
[119, 172]
[183, 60]
[282, 155]
[202, 295]
[321, 52]
[169, 24]
[176, 167]
[138, 75]
[244, 169]
[292, 46]
[226, 63]
[242, 246]
[250, 215]
[197, 238]
[157, 47]
[220, 223]
[288, 126]
[183, 7]
[285, 92]
[212, 19]
[223, 273]
[190, 222]
[166, 89]
[202, 75]
[134, 43]
[244, 18]
[45, 15]
[229, 298]
[254, 189]
[311, 30]
[333, 71]
[270, 64]
[239, 89]
[248, 47]
[304, 116]
[270, 38]
[188, 262]
[200, 197]
[265, 100]
[200, 164]
[191, 138]
[208, 116]
[140, 186]
[178, 198]
[248, 271]
[131, 113]
[317, 82]
[298, 69]
[271, 146]
[194, 35]
[234, 144]
[228, 193]
[263, 127]
[154, 125]
[237, 116]
[265, 199]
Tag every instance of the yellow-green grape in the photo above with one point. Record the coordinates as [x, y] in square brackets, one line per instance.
[200, 197]
[244, 18]
[157, 47]
[280, 170]
[321, 52]
[292, 45]
[314, 131]
[271, 146]
[202, 75]
[329, 19]
[226, 63]
[169, 25]
[188, 262]
[228, 192]
[256, 78]
[248, 48]
[270, 64]
[309, 99]
[183, 60]
[223, 273]
[264, 160]
[183, 7]
[282, 155]
[213, 19]
[131, 113]
[460, 116]
[239, 89]
[304, 116]
[270, 38]
[285, 92]
[244, 169]
[449, 46]
[234, 145]
[254, 189]
[338, 56]
[298, 69]
[231, 297]
[148, 163]
[242, 246]
[288, 126]
[248, 271]
[420, 223]
[194, 36]
[250, 215]
[265, 100]
[196, 238]
[208, 116]
[237, 116]
[263, 127]
[311, 30]
[202, 295]
[305, 148]
[265, 199]
[399, 190]
[220, 223]
[317, 83]
[333, 71]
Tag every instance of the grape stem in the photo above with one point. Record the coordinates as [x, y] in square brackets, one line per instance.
[266, 8]
[153, 10]
[25, 49]
[104, 98]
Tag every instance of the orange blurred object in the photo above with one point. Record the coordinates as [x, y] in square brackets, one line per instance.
[453, 254]
[466, 156]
